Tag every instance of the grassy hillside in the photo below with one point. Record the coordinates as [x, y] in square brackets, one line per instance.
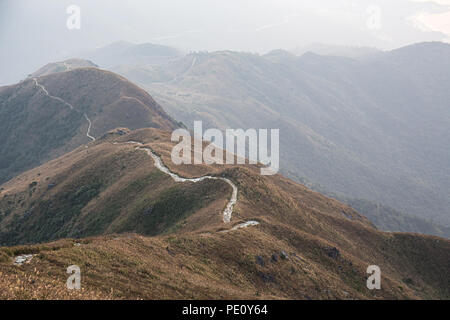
[374, 128]
[44, 119]
[306, 246]
[103, 189]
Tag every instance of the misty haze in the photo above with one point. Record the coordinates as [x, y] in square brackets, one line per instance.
[96, 96]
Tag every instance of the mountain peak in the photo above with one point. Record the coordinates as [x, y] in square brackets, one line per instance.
[62, 66]
[66, 110]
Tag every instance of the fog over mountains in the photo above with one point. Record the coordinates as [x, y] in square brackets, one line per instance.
[87, 177]
[109, 191]
[374, 127]
[364, 126]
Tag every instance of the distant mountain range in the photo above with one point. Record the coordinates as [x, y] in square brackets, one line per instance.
[335, 50]
[126, 53]
[375, 126]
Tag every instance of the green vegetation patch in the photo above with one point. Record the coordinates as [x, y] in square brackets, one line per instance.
[164, 213]
[112, 208]
[51, 219]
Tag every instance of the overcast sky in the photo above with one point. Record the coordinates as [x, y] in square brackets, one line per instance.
[34, 32]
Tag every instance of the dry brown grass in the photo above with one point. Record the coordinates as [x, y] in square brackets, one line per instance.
[196, 261]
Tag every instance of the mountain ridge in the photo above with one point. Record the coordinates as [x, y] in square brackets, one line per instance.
[305, 245]
[373, 128]
[44, 117]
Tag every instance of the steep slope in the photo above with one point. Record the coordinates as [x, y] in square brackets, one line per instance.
[305, 245]
[44, 117]
[373, 128]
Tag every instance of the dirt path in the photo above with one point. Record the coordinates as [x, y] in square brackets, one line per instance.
[67, 104]
[89, 128]
[227, 212]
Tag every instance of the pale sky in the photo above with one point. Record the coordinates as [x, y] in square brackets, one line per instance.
[34, 32]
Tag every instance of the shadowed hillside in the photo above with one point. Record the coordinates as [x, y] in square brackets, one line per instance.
[44, 117]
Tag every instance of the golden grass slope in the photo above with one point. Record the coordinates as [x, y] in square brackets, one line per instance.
[307, 246]
[46, 117]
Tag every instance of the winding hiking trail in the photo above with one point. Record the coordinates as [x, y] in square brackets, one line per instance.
[192, 65]
[160, 165]
[89, 128]
[177, 77]
[227, 212]
[194, 60]
[67, 104]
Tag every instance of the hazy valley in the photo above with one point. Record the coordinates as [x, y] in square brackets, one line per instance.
[83, 177]
[372, 128]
